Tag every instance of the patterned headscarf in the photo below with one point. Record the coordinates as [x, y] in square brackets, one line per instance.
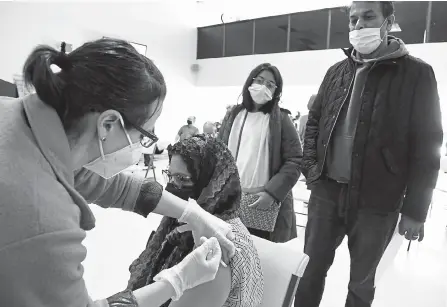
[216, 189]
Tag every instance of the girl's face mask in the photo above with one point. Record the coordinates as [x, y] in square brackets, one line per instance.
[114, 163]
[260, 93]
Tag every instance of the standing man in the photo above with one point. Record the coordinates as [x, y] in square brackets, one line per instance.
[188, 130]
[371, 151]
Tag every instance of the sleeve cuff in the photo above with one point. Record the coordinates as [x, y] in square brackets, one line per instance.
[133, 194]
[149, 195]
[174, 280]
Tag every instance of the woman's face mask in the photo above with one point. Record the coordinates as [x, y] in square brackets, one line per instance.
[184, 193]
[260, 93]
[366, 40]
[114, 163]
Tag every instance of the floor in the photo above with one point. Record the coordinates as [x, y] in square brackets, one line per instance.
[410, 279]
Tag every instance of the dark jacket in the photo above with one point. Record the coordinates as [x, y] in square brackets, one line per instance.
[285, 157]
[396, 150]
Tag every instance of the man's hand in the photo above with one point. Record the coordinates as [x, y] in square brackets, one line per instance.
[264, 202]
[411, 228]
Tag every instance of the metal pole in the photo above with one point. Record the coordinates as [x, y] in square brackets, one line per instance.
[223, 43]
[428, 22]
[289, 17]
[254, 37]
[329, 21]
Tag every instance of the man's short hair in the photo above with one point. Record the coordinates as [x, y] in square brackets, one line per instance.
[387, 7]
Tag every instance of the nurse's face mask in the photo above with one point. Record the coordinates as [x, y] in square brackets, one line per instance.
[114, 163]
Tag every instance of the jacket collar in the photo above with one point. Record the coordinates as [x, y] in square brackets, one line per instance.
[50, 137]
[52, 141]
[348, 53]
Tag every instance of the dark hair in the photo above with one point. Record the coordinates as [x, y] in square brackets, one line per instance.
[99, 75]
[248, 102]
[387, 7]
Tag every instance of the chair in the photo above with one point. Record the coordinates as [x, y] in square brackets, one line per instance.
[149, 161]
[303, 212]
[283, 265]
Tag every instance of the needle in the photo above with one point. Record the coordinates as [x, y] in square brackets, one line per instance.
[210, 253]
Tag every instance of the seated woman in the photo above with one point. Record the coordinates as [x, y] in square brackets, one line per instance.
[202, 168]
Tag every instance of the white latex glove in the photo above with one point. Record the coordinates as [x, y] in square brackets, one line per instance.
[204, 224]
[198, 267]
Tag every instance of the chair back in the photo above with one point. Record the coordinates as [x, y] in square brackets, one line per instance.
[283, 265]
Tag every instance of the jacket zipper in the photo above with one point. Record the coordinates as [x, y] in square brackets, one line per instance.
[333, 126]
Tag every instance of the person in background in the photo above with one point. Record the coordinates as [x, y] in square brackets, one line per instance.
[371, 151]
[187, 130]
[148, 152]
[66, 147]
[202, 168]
[296, 120]
[217, 125]
[266, 147]
[303, 120]
[209, 128]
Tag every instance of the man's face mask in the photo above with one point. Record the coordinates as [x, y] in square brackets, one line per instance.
[260, 93]
[114, 163]
[366, 40]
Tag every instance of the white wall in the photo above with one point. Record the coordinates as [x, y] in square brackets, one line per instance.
[302, 73]
[170, 36]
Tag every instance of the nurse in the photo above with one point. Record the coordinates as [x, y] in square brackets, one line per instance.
[65, 147]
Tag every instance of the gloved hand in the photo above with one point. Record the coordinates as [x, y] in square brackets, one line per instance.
[204, 224]
[198, 267]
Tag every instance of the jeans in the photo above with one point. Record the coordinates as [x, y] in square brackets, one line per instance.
[330, 219]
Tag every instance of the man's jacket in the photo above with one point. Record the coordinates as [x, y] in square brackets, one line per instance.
[396, 149]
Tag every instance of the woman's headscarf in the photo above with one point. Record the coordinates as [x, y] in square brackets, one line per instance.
[216, 189]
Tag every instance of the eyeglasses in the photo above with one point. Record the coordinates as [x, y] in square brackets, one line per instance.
[270, 84]
[147, 138]
[179, 178]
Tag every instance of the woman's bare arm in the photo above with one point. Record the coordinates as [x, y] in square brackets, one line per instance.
[154, 295]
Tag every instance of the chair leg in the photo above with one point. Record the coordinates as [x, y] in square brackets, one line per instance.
[147, 171]
[155, 177]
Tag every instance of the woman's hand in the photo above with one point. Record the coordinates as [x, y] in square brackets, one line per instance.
[198, 267]
[204, 224]
[264, 202]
